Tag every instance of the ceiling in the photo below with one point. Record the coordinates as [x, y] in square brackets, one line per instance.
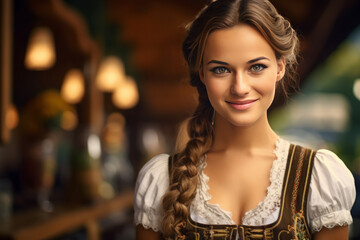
[151, 32]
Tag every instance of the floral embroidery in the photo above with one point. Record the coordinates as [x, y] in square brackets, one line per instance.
[299, 227]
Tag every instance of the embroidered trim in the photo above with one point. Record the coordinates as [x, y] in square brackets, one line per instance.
[299, 227]
[296, 183]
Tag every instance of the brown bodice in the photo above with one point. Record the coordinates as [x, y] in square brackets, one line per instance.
[292, 222]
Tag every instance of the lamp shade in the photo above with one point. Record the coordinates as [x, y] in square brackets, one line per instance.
[110, 74]
[72, 90]
[126, 94]
[40, 53]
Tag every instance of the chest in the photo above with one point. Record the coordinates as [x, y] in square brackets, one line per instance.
[239, 188]
[291, 222]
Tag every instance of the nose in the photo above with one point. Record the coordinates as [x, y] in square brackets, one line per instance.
[240, 85]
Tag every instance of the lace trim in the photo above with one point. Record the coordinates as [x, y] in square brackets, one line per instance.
[147, 226]
[257, 216]
[271, 202]
[330, 220]
[204, 210]
[148, 218]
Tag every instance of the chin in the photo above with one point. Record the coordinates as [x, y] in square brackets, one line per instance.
[242, 124]
[243, 121]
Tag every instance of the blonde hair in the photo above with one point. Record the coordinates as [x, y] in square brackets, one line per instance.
[220, 14]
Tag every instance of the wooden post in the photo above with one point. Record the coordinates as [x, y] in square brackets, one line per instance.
[5, 65]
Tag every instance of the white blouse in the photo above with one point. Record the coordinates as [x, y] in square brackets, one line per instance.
[331, 194]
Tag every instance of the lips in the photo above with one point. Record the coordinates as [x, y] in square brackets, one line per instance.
[243, 104]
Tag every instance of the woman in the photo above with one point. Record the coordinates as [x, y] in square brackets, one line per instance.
[235, 178]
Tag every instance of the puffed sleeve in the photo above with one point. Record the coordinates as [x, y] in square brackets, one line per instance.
[151, 184]
[331, 193]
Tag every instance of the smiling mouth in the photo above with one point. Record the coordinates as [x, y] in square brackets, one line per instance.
[242, 105]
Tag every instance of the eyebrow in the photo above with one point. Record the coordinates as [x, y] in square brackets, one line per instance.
[258, 59]
[217, 62]
[248, 62]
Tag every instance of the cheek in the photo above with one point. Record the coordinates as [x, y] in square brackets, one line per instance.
[216, 88]
[213, 94]
[266, 85]
[213, 89]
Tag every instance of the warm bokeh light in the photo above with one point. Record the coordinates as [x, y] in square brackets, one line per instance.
[69, 121]
[126, 94]
[356, 88]
[73, 88]
[110, 74]
[40, 54]
[114, 132]
[12, 118]
[117, 118]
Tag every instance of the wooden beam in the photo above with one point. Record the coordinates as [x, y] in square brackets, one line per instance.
[5, 65]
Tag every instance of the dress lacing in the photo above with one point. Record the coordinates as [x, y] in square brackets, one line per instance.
[212, 213]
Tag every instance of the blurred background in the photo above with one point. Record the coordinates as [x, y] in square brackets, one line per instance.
[91, 90]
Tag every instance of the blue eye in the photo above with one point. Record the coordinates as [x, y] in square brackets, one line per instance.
[220, 70]
[257, 68]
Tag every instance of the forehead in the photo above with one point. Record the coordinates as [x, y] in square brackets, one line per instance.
[239, 43]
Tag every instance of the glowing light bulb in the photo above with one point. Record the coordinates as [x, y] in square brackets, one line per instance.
[111, 73]
[40, 54]
[126, 95]
[72, 90]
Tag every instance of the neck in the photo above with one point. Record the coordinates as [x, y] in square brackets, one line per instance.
[256, 136]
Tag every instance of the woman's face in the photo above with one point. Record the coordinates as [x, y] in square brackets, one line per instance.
[240, 72]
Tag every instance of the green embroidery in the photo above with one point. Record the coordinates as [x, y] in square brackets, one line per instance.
[299, 228]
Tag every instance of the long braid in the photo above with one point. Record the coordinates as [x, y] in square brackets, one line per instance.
[184, 177]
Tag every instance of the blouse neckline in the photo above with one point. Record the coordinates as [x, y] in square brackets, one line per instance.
[256, 216]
